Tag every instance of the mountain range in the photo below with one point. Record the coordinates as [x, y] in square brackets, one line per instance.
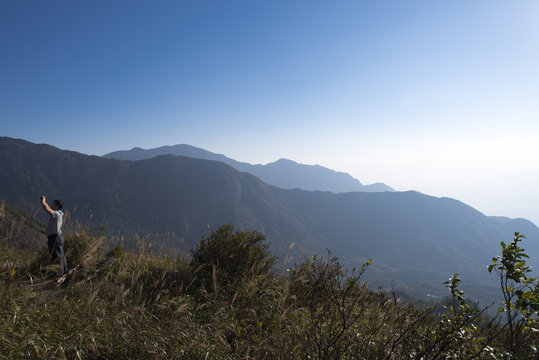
[283, 173]
[416, 241]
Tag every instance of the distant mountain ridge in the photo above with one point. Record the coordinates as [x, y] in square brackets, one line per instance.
[416, 240]
[283, 173]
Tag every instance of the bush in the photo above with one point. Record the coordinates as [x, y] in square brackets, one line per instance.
[335, 300]
[116, 252]
[521, 299]
[225, 258]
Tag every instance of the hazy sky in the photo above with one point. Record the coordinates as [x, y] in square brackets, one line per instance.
[436, 96]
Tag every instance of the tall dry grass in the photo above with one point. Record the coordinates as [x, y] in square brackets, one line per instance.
[225, 301]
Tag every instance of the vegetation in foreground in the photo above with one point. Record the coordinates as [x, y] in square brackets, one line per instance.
[227, 301]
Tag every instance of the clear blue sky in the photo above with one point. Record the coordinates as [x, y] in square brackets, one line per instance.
[437, 96]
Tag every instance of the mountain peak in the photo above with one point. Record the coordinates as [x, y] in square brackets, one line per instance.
[283, 161]
[283, 173]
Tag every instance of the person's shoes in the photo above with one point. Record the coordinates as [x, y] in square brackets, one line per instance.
[62, 278]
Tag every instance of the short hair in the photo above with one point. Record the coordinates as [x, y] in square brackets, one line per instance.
[60, 204]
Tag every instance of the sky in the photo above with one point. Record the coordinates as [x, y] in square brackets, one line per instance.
[440, 97]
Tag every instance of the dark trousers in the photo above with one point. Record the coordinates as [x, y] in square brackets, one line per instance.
[56, 249]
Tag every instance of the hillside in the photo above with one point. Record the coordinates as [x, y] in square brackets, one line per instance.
[283, 173]
[416, 240]
[226, 301]
[18, 229]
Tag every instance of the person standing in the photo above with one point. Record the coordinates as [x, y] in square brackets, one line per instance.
[55, 240]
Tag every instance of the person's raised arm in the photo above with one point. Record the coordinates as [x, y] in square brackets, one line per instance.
[46, 206]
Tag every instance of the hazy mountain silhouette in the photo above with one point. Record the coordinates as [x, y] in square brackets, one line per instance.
[283, 173]
[414, 239]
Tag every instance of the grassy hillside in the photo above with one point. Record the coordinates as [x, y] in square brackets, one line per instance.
[225, 301]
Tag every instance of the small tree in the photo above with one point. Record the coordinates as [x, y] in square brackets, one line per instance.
[521, 297]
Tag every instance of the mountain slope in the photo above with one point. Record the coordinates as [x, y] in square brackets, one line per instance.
[157, 197]
[414, 239]
[18, 229]
[282, 173]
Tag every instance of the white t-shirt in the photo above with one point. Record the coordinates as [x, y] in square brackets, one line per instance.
[55, 223]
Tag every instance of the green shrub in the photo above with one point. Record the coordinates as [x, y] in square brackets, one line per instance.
[225, 258]
[521, 299]
[116, 252]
